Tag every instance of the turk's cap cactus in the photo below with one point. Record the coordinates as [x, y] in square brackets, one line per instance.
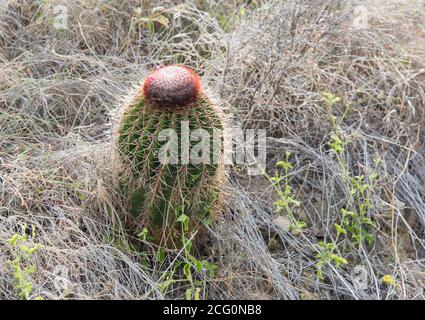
[157, 192]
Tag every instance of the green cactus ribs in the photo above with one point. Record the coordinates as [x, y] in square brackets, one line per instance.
[171, 107]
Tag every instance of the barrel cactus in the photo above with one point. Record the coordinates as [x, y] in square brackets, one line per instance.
[168, 171]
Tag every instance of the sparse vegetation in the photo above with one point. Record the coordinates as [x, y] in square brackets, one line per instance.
[22, 265]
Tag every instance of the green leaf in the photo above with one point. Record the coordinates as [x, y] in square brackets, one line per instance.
[32, 232]
[14, 239]
[196, 263]
[189, 294]
[187, 245]
[187, 272]
[81, 196]
[284, 164]
[211, 268]
[388, 280]
[339, 229]
[301, 224]
[338, 260]
[144, 235]
[33, 249]
[184, 219]
[160, 255]
[197, 294]
[367, 221]
[207, 221]
[319, 267]
[150, 25]
[276, 179]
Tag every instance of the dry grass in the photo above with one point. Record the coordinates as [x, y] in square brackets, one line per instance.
[269, 64]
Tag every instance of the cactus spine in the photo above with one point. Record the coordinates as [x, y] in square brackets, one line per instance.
[158, 192]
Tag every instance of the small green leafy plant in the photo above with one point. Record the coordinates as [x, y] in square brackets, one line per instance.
[24, 249]
[330, 99]
[287, 200]
[355, 227]
[192, 264]
[327, 255]
[188, 267]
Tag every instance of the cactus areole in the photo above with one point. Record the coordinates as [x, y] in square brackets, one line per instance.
[172, 104]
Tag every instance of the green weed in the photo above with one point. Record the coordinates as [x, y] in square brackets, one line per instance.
[24, 249]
